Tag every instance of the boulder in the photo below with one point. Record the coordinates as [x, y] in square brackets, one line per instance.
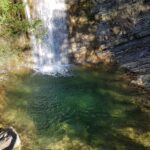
[9, 139]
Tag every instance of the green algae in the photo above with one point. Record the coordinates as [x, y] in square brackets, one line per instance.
[94, 110]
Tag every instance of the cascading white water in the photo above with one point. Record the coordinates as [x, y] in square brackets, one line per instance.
[50, 51]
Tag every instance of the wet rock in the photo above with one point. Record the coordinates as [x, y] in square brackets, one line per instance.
[120, 26]
[116, 30]
[145, 80]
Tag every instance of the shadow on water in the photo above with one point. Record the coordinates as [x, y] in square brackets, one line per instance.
[94, 110]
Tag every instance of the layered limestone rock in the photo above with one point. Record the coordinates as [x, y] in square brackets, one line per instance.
[120, 27]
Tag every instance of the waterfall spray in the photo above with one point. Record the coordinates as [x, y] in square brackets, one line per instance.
[50, 50]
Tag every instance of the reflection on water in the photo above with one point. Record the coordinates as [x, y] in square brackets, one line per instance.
[94, 110]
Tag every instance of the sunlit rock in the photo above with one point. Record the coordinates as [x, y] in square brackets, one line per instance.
[9, 139]
[122, 27]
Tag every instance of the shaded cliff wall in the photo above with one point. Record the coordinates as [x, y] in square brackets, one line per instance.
[121, 27]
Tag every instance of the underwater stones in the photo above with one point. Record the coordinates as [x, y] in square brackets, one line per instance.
[137, 136]
[9, 139]
[68, 143]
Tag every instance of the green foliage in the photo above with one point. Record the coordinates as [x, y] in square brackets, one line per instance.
[13, 27]
[12, 18]
[13, 24]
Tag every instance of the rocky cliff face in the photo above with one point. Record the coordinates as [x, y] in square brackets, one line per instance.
[118, 27]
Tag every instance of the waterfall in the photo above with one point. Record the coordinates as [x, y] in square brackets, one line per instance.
[50, 50]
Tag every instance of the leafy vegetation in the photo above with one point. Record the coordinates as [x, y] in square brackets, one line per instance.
[14, 28]
[12, 18]
[13, 25]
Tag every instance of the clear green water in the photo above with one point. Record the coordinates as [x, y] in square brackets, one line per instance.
[94, 110]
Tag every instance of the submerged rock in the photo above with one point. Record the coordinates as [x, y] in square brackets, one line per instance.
[9, 139]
